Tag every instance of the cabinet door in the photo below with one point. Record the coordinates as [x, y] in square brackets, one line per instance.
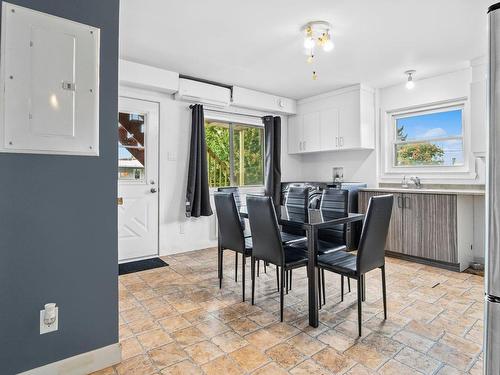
[349, 121]
[394, 241]
[311, 132]
[329, 129]
[430, 226]
[295, 134]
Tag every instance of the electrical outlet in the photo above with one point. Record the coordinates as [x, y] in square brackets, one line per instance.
[45, 327]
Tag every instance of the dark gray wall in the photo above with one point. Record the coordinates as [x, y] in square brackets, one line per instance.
[58, 226]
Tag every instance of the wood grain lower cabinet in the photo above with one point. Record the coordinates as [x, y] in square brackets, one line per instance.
[422, 225]
[394, 238]
[430, 226]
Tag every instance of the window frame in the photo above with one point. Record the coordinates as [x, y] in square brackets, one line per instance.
[395, 143]
[231, 125]
[431, 174]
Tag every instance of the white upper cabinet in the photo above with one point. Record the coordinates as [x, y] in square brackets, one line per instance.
[340, 120]
[311, 138]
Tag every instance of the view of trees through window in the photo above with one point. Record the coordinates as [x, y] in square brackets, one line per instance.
[430, 139]
[235, 154]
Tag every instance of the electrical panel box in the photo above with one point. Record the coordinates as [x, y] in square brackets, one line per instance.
[49, 84]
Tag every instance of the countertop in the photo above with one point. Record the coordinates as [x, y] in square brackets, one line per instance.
[426, 191]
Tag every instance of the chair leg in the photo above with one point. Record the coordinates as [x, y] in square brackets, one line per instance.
[349, 284]
[384, 292]
[364, 288]
[236, 267]
[258, 268]
[282, 292]
[291, 279]
[342, 288]
[278, 278]
[253, 279]
[319, 290]
[265, 267]
[359, 291]
[221, 265]
[243, 266]
[324, 285]
[286, 281]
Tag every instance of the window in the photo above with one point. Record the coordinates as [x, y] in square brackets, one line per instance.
[131, 156]
[235, 154]
[429, 138]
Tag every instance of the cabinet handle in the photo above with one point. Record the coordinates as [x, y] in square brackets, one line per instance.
[304, 145]
[341, 141]
[400, 203]
[300, 146]
[336, 141]
[407, 202]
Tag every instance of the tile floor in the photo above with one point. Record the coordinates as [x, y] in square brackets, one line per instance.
[175, 320]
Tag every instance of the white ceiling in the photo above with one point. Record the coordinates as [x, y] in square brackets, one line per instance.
[257, 44]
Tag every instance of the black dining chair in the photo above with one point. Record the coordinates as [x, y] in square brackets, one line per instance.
[231, 235]
[370, 254]
[268, 244]
[297, 201]
[333, 202]
[237, 199]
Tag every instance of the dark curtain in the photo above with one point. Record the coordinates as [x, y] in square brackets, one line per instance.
[272, 127]
[197, 193]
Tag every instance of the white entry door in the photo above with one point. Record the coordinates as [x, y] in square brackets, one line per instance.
[138, 124]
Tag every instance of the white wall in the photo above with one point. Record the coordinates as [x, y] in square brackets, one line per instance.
[178, 233]
[359, 166]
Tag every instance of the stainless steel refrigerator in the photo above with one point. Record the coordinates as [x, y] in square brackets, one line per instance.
[492, 274]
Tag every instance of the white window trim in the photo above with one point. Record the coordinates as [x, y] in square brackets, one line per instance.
[392, 173]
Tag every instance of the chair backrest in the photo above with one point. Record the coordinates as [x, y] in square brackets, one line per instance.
[236, 193]
[371, 253]
[230, 230]
[297, 197]
[237, 199]
[266, 237]
[334, 200]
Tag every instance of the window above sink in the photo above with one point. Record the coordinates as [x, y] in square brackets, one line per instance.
[431, 141]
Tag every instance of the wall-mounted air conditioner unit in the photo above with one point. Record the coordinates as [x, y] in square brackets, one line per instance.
[200, 92]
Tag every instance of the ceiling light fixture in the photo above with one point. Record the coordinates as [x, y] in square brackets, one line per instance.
[317, 33]
[410, 84]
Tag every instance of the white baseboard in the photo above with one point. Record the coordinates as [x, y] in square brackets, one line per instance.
[81, 364]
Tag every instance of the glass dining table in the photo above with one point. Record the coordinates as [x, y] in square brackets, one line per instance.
[311, 220]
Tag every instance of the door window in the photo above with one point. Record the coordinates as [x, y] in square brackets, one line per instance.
[131, 147]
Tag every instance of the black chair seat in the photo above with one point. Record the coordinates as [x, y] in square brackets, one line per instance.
[295, 256]
[326, 247]
[289, 238]
[338, 261]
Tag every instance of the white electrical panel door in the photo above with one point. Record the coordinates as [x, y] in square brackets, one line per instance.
[50, 76]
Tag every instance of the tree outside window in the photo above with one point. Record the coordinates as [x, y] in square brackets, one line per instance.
[235, 154]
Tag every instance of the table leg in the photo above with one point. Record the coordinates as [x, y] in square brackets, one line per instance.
[312, 275]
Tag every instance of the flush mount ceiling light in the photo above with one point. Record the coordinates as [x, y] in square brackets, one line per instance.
[410, 84]
[317, 34]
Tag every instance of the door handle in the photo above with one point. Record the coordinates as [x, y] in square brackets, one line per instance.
[153, 190]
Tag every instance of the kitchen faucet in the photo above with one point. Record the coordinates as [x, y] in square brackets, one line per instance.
[416, 181]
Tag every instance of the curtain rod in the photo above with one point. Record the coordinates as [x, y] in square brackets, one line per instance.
[233, 113]
[207, 81]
